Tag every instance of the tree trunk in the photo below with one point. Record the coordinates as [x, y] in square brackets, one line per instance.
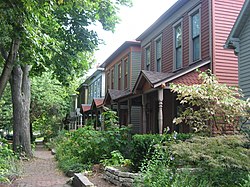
[20, 88]
[9, 63]
[16, 82]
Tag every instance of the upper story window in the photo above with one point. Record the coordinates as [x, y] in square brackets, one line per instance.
[119, 76]
[98, 88]
[125, 73]
[177, 45]
[158, 53]
[195, 32]
[112, 79]
[147, 58]
[95, 89]
[108, 80]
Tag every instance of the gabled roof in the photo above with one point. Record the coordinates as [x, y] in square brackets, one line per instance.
[93, 75]
[86, 107]
[115, 94]
[233, 38]
[156, 79]
[124, 46]
[97, 102]
[151, 77]
[162, 18]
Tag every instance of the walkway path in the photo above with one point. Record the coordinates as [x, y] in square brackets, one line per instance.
[41, 171]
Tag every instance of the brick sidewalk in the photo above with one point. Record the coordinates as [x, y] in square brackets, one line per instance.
[41, 171]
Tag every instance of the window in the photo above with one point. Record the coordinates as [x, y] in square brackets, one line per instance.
[125, 73]
[98, 95]
[178, 46]
[112, 79]
[195, 39]
[158, 44]
[108, 80]
[119, 76]
[95, 89]
[147, 58]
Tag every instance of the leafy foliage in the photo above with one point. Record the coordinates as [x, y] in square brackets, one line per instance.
[199, 161]
[56, 35]
[223, 160]
[6, 111]
[214, 152]
[8, 162]
[210, 103]
[87, 146]
[143, 146]
[116, 159]
[49, 104]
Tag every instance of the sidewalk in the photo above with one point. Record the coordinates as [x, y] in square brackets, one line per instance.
[41, 171]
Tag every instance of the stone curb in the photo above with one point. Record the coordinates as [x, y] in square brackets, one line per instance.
[80, 180]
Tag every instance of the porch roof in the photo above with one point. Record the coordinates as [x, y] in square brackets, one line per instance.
[97, 103]
[86, 107]
[115, 94]
[157, 79]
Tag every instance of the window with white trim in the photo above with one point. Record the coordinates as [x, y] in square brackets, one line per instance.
[125, 73]
[112, 79]
[119, 76]
[178, 46]
[147, 58]
[195, 39]
[158, 53]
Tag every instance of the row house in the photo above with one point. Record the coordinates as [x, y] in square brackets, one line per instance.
[121, 71]
[188, 36]
[91, 90]
[239, 41]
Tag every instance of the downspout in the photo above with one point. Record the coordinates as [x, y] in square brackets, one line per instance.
[211, 34]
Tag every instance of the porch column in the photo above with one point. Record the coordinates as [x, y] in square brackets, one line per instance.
[129, 111]
[144, 119]
[160, 114]
[81, 120]
[118, 113]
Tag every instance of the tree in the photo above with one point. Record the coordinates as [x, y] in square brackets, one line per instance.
[50, 103]
[210, 104]
[47, 34]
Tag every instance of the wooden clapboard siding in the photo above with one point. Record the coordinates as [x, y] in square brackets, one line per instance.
[225, 65]
[136, 66]
[135, 119]
[244, 59]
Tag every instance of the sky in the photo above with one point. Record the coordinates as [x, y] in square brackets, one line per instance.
[134, 21]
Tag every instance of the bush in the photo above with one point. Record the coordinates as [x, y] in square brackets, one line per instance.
[143, 146]
[219, 161]
[224, 160]
[8, 162]
[86, 146]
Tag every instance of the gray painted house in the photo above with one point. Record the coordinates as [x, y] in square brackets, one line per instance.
[239, 40]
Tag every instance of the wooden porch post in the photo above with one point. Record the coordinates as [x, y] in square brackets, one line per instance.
[118, 113]
[81, 120]
[144, 119]
[160, 114]
[129, 111]
[102, 120]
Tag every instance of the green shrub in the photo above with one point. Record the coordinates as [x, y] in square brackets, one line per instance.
[116, 159]
[219, 162]
[87, 146]
[8, 162]
[143, 146]
[224, 160]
